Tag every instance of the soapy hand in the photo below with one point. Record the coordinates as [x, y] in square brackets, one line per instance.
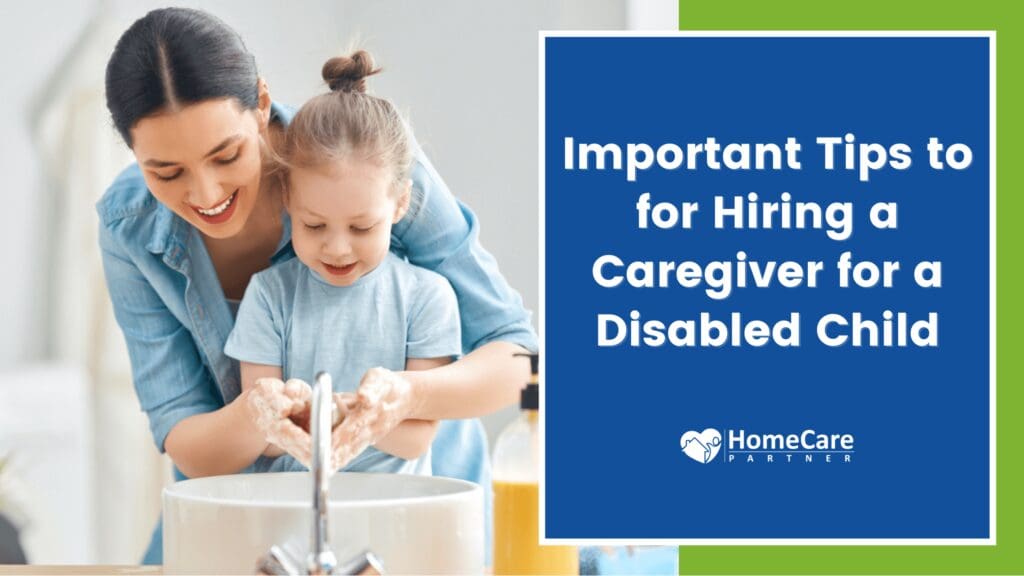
[383, 401]
[272, 403]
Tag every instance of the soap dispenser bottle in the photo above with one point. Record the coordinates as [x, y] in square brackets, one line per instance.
[515, 473]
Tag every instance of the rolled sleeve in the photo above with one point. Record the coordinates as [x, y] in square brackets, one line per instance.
[442, 234]
[170, 379]
[162, 418]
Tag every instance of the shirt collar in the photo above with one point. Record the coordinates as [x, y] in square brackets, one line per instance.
[169, 236]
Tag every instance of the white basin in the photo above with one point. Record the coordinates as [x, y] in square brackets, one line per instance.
[414, 524]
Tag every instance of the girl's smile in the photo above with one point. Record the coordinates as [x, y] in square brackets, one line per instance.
[340, 270]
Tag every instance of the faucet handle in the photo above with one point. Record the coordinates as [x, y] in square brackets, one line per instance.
[365, 562]
[278, 562]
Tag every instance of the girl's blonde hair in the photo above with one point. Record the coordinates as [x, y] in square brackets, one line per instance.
[347, 123]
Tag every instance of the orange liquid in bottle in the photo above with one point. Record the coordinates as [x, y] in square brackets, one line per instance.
[516, 535]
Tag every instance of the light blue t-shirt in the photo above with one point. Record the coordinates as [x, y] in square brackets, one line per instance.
[292, 318]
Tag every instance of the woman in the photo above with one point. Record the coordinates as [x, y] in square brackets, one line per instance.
[184, 229]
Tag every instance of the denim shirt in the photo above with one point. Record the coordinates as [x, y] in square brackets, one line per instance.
[170, 306]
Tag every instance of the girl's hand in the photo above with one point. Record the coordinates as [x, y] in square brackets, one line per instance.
[271, 405]
[383, 401]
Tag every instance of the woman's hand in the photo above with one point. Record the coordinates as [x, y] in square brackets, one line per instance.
[272, 403]
[383, 401]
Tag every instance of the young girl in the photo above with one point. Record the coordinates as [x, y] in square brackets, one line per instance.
[346, 304]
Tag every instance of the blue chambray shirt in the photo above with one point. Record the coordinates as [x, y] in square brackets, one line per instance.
[170, 306]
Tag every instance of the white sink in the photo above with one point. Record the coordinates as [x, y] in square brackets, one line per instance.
[414, 524]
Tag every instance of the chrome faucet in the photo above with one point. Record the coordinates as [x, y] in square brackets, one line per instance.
[321, 559]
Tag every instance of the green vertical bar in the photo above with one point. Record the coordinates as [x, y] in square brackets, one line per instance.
[1007, 557]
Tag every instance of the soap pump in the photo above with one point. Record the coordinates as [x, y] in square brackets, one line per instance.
[517, 547]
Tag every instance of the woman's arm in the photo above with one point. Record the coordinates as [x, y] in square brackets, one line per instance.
[261, 425]
[249, 374]
[186, 414]
[484, 381]
[442, 234]
[224, 441]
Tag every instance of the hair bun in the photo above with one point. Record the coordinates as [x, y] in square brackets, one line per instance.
[348, 73]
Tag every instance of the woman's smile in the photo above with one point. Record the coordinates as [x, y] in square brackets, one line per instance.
[219, 213]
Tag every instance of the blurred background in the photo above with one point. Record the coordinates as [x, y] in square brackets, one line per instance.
[80, 476]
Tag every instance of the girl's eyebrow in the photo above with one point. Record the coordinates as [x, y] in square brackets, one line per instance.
[312, 213]
[219, 147]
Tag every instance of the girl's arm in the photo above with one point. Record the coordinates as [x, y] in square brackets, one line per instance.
[413, 437]
[409, 440]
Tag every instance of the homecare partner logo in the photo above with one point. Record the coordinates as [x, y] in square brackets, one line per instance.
[808, 446]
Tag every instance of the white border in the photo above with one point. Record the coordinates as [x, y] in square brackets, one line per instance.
[991, 540]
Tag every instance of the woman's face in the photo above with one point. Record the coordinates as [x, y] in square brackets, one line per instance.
[203, 162]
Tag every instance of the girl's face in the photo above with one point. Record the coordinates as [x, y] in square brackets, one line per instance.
[342, 215]
[203, 162]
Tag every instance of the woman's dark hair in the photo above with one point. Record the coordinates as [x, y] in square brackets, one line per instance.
[173, 57]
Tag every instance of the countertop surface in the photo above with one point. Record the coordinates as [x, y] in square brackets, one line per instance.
[62, 569]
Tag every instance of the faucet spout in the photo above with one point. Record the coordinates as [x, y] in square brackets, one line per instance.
[321, 559]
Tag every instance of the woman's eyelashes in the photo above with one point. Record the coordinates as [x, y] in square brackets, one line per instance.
[168, 177]
[221, 161]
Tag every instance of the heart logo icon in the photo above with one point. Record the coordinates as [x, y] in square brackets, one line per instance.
[702, 446]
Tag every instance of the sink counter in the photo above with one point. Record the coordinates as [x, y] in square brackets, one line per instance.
[62, 569]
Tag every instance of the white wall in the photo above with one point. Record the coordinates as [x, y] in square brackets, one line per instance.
[35, 37]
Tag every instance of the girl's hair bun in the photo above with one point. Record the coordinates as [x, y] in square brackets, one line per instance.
[348, 73]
